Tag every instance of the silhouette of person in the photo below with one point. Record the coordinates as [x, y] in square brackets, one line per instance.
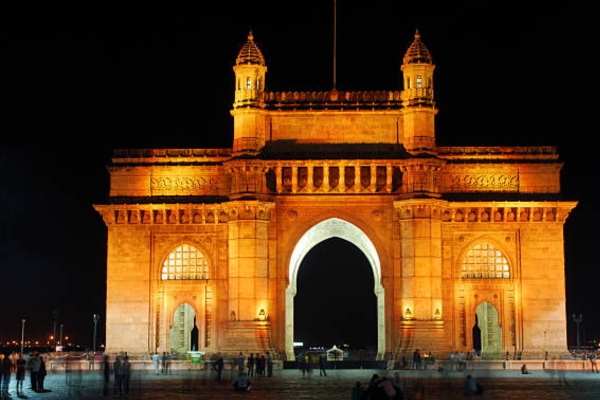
[218, 367]
[322, 365]
[250, 365]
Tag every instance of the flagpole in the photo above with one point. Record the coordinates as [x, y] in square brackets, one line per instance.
[334, 43]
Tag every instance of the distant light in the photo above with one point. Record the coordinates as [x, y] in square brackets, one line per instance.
[298, 344]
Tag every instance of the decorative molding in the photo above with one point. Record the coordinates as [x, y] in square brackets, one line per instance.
[189, 184]
[504, 182]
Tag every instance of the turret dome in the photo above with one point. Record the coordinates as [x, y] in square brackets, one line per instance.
[417, 53]
[250, 53]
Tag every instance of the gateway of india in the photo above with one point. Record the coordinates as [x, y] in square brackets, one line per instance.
[465, 244]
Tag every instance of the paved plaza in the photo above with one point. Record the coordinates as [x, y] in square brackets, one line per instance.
[337, 385]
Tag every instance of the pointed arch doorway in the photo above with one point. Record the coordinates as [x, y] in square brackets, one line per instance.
[487, 332]
[184, 332]
[339, 229]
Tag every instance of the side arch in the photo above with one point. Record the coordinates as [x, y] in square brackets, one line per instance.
[330, 228]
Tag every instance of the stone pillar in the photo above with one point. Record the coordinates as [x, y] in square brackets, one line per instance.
[310, 186]
[294, 179]
[373, 181]
[278, 178]
[326, 177]
[342, 183]
[388, 178]
[420, 227]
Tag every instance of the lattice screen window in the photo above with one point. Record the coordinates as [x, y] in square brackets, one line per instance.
[186, 262]
[484, 261]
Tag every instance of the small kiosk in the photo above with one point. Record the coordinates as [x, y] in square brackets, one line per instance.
[335, 354]
[195, 359]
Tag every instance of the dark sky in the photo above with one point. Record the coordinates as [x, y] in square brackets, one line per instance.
[77, 85]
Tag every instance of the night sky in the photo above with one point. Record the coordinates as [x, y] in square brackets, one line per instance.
[80, 84]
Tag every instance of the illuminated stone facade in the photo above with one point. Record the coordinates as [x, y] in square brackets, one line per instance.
[204, 245]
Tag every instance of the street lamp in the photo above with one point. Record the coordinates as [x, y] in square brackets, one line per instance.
[578, 319]
[22, 335]
[60, 339]
[55, 314]
[96, 319]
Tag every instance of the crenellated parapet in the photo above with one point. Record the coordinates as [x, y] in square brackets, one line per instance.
[355, 100]
[184, 214]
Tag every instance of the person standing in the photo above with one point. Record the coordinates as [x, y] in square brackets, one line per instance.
[261, 363]
[250, 365]
[165, 362]
[118, 371]
[322, 365]
[33, 364]
[416, 361]
[592, 357]
[239, 361]
[41, 376]
[6, 369]
[269, 364]
[106, 375]
[126, 375]
[156, 362]
[21, 369]
[218, 367]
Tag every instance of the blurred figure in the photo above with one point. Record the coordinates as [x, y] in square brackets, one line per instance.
[524, 370]
[34, 365]
[357, 391]
[21, 369]
[269, 364]
[41, 376]
[218, 367]
[470, 387]
[241, 382]
[105, 375]
[6, 368]
[250, 364]
[156, 362]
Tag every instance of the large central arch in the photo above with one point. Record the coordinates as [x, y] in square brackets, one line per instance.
[324, 230]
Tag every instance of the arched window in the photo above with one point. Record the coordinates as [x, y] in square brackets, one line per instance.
[186, 262]
[248, 83]
[484, 261]
[419, 81]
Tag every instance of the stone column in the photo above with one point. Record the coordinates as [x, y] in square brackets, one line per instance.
[294, 179]
[326, 178]
[373, 181]
[278, 178]
[310, 186]
[342, 183]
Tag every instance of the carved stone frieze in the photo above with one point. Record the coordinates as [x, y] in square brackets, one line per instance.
[476, 182]
[188, 185]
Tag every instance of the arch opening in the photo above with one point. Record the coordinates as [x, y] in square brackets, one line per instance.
[334, 228]
[335, 303]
